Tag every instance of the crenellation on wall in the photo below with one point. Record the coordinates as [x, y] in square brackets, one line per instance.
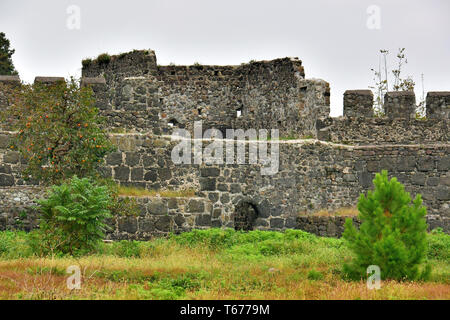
[383, 130]
[438, 105]
[400, 104]
[15, 79]
[48, 80]
[358, 103]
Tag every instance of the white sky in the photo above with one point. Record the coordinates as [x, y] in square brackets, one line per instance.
[331, 37]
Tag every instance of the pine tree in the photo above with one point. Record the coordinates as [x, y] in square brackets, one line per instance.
[392, 234]
[6, 64]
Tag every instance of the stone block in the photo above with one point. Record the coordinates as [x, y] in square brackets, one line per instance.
[207, 184]
[157, 208]
[203, 220]
[358, 103]
[195, 206]
[6, 180]
[400, 104]
[114, 159]
[122, 173]
[438, 105]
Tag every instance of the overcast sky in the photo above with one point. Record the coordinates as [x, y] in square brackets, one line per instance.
[331, 37]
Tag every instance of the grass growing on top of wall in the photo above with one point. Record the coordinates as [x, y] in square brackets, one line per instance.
[210, 264]
[141, 192]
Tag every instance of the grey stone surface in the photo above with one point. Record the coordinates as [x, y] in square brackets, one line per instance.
[358, 103]
[139, 97]
[400, 104]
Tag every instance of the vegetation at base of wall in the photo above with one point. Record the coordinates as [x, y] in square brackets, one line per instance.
[72, 219]
[392, 234]
[211, 264]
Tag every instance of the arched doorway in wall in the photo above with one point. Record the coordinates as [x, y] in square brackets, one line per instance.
[245, 214]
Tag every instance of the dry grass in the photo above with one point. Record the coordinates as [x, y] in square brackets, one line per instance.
[217, 282]
[140, 192]
[173, 271]
[342, 212]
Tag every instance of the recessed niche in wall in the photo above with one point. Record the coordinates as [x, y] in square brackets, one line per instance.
[244, 216]
[172, 123]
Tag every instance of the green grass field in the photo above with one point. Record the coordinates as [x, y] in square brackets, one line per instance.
[210, 264]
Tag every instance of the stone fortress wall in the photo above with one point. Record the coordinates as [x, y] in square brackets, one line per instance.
[327, 166]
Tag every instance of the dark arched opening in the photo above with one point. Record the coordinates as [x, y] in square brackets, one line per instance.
[245, 214]
[173, 123]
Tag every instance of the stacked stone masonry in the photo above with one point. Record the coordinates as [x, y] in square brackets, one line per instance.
[330, 162]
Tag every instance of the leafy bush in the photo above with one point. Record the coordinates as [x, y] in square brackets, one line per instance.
[216, 238]
[438, 245]
[60, 133]
[73, 217]
[86, 62]
[104, 58]
[392, 234]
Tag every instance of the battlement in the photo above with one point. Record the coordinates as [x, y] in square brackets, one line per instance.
[438, 105]
[358, 103]
[48, 80]
[9, 79]
[398, 104]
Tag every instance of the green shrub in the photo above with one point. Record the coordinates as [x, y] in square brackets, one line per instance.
[127, 249]
[219, 239]
[86, 62]
[119, 205]
[14, 245]
[103, 58]
[392, 234]
[438, 245]
[73, 217]
[315, 275]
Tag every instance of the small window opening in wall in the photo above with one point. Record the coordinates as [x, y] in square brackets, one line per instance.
[199, 111]
[239, 112]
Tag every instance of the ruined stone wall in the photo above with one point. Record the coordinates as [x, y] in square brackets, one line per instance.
[313, 175]
[269, 94]
[383, 130]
